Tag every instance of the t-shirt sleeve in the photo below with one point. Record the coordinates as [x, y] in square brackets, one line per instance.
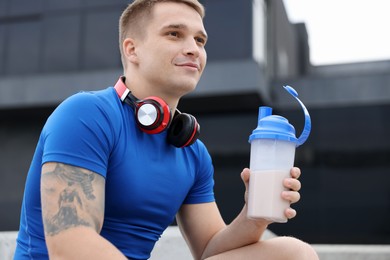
[79, 133]
[203, 188]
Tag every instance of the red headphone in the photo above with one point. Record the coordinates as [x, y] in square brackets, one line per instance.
[153, 116]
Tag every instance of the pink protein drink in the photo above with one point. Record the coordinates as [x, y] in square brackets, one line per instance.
[273, 145]
[264, 184]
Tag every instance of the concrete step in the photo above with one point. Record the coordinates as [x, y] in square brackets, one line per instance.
[7, 245]
[172, 246]
[353, 252]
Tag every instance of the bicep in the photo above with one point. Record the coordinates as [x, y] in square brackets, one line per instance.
[198, 224]
[71, 197]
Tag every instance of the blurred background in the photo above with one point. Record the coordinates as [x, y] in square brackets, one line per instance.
[336, 56]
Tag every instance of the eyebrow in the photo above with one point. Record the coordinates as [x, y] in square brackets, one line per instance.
[183, 27]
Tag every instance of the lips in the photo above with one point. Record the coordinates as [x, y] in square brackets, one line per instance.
[189, 64]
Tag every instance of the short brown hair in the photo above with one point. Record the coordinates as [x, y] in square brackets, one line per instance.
[139, 11]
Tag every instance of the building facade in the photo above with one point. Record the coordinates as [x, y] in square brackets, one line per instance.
[51, 49]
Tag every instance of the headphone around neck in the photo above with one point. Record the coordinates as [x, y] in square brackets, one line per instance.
[153, 116]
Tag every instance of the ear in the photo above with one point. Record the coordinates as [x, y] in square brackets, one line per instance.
[129, 50]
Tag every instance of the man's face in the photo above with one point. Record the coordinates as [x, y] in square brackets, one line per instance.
[172, 56]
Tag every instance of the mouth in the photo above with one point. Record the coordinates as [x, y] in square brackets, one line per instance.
[190, 65]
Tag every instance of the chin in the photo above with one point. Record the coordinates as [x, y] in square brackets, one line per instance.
[187, 85]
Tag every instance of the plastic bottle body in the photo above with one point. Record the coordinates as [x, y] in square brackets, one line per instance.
[273, 145]
[270, 163]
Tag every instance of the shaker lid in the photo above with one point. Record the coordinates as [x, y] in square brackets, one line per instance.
[273, 127]
[277, 127]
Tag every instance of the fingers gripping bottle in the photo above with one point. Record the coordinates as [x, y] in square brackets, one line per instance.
[273, 145]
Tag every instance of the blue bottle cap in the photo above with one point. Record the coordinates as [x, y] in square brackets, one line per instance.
[277, 127]
[273, 127]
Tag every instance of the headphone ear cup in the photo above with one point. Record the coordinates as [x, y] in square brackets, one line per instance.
[152, 115]
[183, 131]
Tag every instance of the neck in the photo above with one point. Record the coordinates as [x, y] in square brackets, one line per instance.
[141, 90]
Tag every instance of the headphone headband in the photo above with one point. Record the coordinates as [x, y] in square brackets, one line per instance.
[121, 88]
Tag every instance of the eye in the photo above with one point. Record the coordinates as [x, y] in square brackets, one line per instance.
[200, 40]
[173, 34]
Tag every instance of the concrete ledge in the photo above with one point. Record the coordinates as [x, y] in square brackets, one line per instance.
[172, 246]
[7, 245]
[353, 252]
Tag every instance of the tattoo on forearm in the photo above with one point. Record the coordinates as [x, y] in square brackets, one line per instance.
[70, 201]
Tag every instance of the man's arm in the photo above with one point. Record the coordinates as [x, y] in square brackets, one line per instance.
[206, 233]
[73, 210]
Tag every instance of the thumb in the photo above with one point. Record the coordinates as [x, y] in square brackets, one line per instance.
[245, 175]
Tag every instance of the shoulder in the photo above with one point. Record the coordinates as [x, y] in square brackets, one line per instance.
[88, 99]
[94, 112]
[84, 124]
[87, 106]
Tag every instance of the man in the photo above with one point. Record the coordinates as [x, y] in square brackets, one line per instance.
[109, 174]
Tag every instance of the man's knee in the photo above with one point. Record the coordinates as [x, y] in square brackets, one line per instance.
[279, 248]
[296, 249]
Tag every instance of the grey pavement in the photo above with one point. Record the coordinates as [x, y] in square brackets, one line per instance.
[172, 246]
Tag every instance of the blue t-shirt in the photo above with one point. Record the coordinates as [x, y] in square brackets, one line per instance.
[147, 179]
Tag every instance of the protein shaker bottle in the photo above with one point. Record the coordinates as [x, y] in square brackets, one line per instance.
[273, 145]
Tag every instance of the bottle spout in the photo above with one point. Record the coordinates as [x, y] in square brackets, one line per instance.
[307, 128]
[264, 111]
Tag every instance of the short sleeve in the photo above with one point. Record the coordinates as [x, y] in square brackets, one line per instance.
[79, 133]
[203, 188]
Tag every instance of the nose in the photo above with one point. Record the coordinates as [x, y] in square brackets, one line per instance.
[191, 48]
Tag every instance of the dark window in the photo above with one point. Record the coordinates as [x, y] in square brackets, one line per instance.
[2, 49]
[61, 43]
[101, 40]
[3, 8]
[61, 4]
[230, 28]
[24, 7]
[23, 47]
[95, 3]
